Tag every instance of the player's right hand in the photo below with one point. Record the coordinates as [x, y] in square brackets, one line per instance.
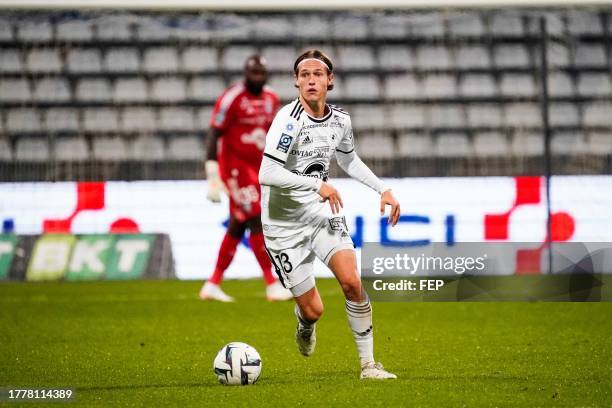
[215, 184]
[329, 193]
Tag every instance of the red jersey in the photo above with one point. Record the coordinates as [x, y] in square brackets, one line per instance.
[244, 120]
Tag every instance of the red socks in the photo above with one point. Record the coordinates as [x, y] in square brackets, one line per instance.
[226, 254]
[256, 240]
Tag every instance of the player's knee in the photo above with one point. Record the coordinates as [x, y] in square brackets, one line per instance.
[352, 289]
[312, 313]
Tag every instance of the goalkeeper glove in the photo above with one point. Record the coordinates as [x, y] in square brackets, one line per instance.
[215, 185]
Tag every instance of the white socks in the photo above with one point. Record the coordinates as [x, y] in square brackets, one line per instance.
[360, 319]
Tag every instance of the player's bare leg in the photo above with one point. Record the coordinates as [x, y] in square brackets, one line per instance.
[274, 290]
[359, 312]
[308, 309]
[212, 289]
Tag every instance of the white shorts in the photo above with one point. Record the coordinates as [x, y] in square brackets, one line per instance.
[293, 256]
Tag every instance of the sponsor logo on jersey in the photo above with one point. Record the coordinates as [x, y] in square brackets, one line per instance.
[307, 139]
[302, 153]
[336, 122]
[315, 170]
[256, 137]
[284, 143]
[338, 224]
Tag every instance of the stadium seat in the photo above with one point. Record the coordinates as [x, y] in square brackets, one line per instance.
[439, 86]
[154, 29]
[61, 120]
[6, 153]
[23, 120]
[584, 22]
[14, 90]
[452, 145]
[557, 55]
[109, 148]
[279, 58]
[233, 58]
[148, 148]
[411, 145]
[199, 59]
[71, 148]
[100, 120]
[395, 57]
[176, 119]
[488, 144]
[51, 89]
[349, 27]
[361, 87]
[339, 91]
[472, 56]
[593, 84]
[272, 28]
[35, 30]
[84, 60]
[74, 30]
[191, 27]
[433, 57]
[407, 116]
[231, 27]
[32, 149]
[521, 85]
[600, 144]
[528, 144]
[10, 60]
[511, 56]
[568, 143]
[375, 146]
[113, 28]
[427, 25]
[185, 148]
[355, 57]
[466, 25]
[560, 84]
[310, 26]
[95, 89]
[484, 115]
[506, 25]
[130, 90]
[598, 114]
[368, 117]
[44, 60]
[283, 85]
[389, 26]
[203, 117]
[563, 114]
[160, 59]
[122, 60]
[169, 89]
[6, 30]
[205, 88]
[477, 85]
[138, 119]
[402, 87]
[445, 116]
[522, 115]
[590, 55]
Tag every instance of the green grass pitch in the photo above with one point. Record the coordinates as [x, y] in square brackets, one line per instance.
[152, 343]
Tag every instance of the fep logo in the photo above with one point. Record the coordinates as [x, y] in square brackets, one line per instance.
[528, 191]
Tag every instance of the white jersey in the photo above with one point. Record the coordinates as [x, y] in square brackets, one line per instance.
[303, 145]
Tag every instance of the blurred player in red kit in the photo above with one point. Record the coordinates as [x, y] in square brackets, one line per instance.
[240, 121]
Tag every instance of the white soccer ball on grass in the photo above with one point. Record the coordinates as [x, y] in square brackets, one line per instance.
[237, 364]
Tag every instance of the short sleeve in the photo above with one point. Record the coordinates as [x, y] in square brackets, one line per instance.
[347, 143]
[281, 137]
[222, 112]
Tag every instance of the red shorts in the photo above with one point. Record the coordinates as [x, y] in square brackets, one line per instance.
[242, 183]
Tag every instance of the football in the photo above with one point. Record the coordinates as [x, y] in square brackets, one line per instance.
[237, 364]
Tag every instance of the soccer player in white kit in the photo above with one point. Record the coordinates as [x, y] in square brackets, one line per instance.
[297, 222]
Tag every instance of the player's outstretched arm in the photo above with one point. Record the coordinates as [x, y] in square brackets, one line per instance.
[329, 193]
[275, 175]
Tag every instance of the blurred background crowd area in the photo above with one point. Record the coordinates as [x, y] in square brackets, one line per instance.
[128, 95]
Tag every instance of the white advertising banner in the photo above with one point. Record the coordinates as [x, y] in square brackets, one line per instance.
[444, 210]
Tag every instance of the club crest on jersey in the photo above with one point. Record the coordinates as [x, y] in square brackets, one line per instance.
[284, 143]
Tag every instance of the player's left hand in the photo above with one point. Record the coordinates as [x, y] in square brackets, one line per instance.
[387, 198]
